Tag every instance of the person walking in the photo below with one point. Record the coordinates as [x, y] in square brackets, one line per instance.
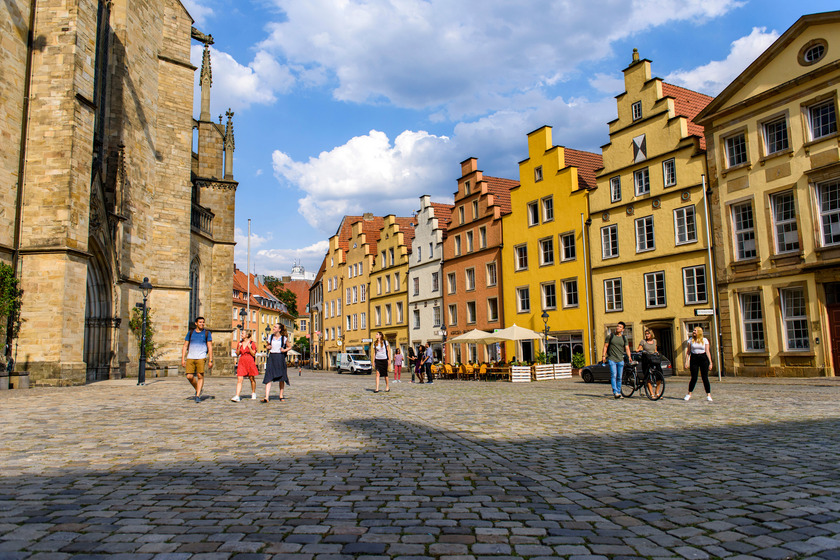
[246, 366]
[699, 360]
[427, 364]
[381, 358]
[275, 366]
[412, 357]
[421, 358]
[197, 349]
[398, 362]
[616, 347]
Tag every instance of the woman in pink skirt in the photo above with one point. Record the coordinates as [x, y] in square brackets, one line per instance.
[398, 362]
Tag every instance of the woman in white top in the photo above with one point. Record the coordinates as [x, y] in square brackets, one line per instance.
[698, 359]
[275, 366]
[381, 357]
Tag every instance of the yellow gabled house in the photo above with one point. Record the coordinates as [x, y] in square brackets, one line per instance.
[650, 252]
[544, 260]
[358, 265]
[389, 281]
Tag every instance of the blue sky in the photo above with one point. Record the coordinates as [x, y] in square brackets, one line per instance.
[351, 106]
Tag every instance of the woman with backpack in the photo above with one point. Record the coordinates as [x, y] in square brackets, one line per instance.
[616, 347]
[275, 367]
[381, 359]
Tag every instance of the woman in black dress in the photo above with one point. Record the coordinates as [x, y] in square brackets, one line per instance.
[278, 344]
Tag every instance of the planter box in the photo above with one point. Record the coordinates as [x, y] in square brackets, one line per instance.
[520, 374]
[562, 371]
[544, 372]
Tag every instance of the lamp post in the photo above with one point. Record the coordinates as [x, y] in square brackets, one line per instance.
[545, 340]
[145, 288]
[242, 315]
[443, 345]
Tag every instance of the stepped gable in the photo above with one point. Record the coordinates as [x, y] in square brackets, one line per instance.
[688, 104]
[443, 213]
[500, 189]
[587, 163]
[407, 229]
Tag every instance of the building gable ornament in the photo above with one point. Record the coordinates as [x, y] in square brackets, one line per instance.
[639, 149]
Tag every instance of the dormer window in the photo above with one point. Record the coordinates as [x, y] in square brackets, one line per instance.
[637, 110]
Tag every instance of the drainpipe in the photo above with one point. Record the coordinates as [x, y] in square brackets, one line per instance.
[714, 281]
[24, 133]
[584, 236]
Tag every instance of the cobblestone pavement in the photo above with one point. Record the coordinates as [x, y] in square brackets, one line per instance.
[457, 471]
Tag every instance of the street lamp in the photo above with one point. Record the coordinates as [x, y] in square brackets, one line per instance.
[443, 344]
[145, 288]
[545, 322]
[242, 315]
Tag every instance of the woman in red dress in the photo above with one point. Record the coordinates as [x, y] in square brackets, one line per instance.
[246, 367]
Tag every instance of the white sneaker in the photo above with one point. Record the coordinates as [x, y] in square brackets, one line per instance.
[709, 398]
[687, 397]
[253, 396]
[236, 398]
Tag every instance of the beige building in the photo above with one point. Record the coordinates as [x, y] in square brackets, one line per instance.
[102, 185]
[649, 250]
[359, 262]
[774, 165]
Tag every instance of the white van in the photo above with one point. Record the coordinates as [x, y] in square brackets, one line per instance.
[354, 363]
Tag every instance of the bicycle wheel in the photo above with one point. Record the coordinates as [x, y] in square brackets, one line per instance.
[628, 382]
[655, 385]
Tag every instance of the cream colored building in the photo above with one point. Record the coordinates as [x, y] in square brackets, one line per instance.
[359, 263]
[774, 164]
[649, 248]
[102, 185]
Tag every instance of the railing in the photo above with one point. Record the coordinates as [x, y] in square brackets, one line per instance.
[202, 219]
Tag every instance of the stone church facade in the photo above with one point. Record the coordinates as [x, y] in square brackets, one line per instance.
[106, 178]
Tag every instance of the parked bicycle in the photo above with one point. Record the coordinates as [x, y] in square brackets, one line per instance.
[651, 377]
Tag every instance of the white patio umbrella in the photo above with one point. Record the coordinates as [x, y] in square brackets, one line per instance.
[515, 332]
[293, 353]
[474, 335]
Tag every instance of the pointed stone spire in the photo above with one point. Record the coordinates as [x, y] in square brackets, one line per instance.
[206, 81]
[230, 145]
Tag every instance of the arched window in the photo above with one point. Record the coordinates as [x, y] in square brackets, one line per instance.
[195, 301]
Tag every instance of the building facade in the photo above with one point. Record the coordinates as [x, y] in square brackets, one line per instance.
[103, 187]
[774, 165]
[472, 261]
[388, 281]
[360, 258]
[544, 262]
[649, 248]
[425, 276]
[316, 316]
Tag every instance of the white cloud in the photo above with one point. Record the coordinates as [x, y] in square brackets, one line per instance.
[199, 12]
[279, 262]
[713, 77]
[607, 83]
[427, 54]
[240, 253]
[237, 86]
[367, 174]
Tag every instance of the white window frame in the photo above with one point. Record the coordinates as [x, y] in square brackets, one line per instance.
[475, 209]
[785, 228]
[492, 274]
[669, 172]
[523, 299]
[752, 321]
[636, 110]
[388, 315]
[416, 285]
[533, 212]
[520, 257]
[685, 225]
[655, 294]
[435, 281]
[452, 282]
[546, 252]
[568, 244]
[415, 319]
[453, 314]
[469, 279]
[470, 246]
[829, 213]
[613, 297]
[492, 309]
[472, 313]
[457, 245]
[400, 313]
[482, 237]
[548, 295]
[641, 181]
[609, 241]
[735, 149]
[690, 285]
[645, 235]
[615, 189]
[436, 316]
[776, 141]
[538, 174]
[830, 125]
[795, 319]
[566, 287]
[743, 231]
[548, 209]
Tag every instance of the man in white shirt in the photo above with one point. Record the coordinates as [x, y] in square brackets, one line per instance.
[198, 347]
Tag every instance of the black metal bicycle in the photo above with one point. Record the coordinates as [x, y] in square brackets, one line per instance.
[652, 378]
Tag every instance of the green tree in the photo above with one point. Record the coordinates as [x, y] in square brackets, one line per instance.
[288, 297]
[136, 326]
[11, 299]
[302, 345]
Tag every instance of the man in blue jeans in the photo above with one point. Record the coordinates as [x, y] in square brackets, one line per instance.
[616, 346]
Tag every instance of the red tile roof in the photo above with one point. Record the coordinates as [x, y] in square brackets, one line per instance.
[586, 163]
[688, 104]
[443, 213]
[500, 189]
[301, 291]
